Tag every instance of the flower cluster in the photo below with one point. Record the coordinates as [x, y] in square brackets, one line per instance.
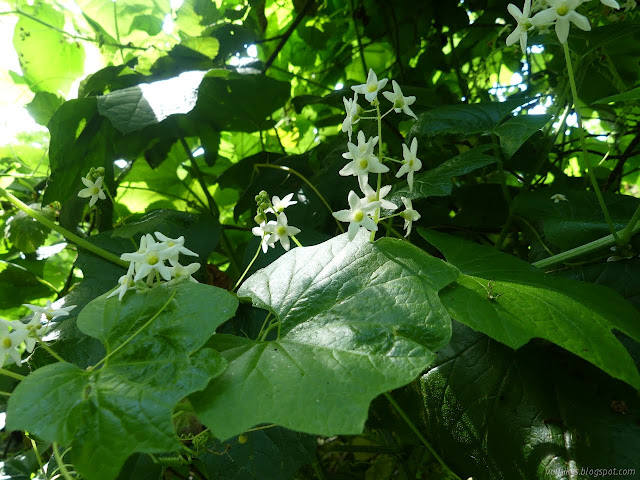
[93, 183]
[365, 212]
[156, 260]
[557, 13]
[277, 230]
[14, 334]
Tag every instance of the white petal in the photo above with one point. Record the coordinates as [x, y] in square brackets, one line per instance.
[514, 11]
[611, 3]
[544, 17]
[562, 29]
[513, 37]
[353, 230]
[580, 21]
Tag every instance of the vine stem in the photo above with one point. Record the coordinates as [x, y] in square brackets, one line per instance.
[376, 216]
[137, 332]
[585, 154]
[424, 441]
[625, 235]
[246, 270]
[607, 241]
[63, 231]
[63, 468]
[9, 373]
[304, 179]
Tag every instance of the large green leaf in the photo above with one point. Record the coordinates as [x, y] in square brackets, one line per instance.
[230, 101]
[464, 119]
[437, 181]
[357, 319]
[632, 95]
[495, 414]
[513, 302]
[576, 221]
[517, 130]
[270, 453]
[48, 59]
[136, 107]
[154, 340]
[77, 143]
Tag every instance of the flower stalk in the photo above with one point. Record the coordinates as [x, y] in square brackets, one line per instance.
[62, 231]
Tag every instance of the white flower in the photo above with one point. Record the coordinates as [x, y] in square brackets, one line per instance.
[400, 102]
[260, 231]
[174, 245]
[353, 114]
[558, 197]
[35, 329]
[280, 205]
[180, 272]
[370, 196]
[411, 163]
[149, 259]
[279, 230]
[562, 12]
[49, 312]
[126, 282]
[362, 160]
[358, 215]
[409, 215]
[93, 190]
[524, 24]
[10, 341]
[371, 88]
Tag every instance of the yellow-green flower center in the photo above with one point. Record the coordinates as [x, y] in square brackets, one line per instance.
[363, 164]
[562, 10]
[411, 163]
[358, 215]
[6, 342]
[95, 190]
[281, 231]
[152, 258]
[372, 88]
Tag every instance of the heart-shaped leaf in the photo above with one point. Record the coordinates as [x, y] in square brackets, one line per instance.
[154, 359]
[356, 319]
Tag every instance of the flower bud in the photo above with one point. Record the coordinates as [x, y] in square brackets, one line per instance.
[260, 218]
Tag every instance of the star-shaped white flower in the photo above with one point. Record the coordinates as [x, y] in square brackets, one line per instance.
[411, 162]
[180, 272]
[149, 260]
[279, 205]
[49, 311]
[558, 197]
[260, 231]
[10, 341]
[400, 102]
[125, 282]
[358, 215]
[370, 196]
[35, 330]
[409, 215]
[562, 12]
[174, 246]
[362, 160]
[279, 230]
[93, 190]
[371, 88]
[524, 24]
[353, 114]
